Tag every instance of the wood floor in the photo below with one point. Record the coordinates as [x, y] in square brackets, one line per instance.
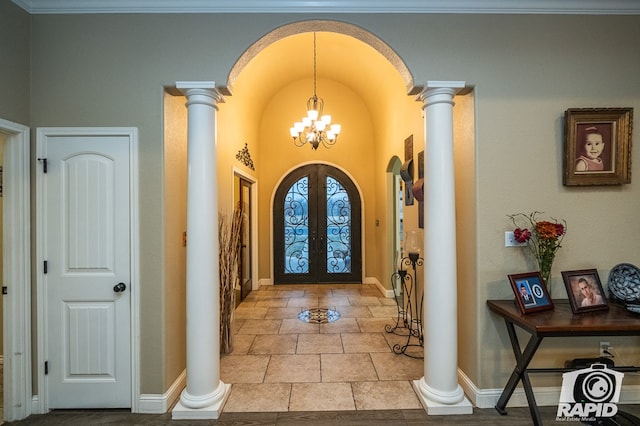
[516, 417]
[480, 417]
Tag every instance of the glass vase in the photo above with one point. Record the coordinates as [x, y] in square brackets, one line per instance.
[545, 271]
[413, 245]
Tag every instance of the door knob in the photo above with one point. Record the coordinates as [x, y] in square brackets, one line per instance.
[120, 287]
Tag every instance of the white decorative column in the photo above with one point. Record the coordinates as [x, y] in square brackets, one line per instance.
[439, 390]
[205, 394]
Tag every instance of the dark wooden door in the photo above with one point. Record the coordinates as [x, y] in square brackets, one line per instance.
[317, 227]
[244, 196]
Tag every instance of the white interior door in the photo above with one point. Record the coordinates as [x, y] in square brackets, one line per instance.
[87, 270]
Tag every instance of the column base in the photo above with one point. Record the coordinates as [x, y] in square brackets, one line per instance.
[434, 408]
[213, 411]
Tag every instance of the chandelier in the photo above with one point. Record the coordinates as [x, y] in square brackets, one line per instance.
[315, 128]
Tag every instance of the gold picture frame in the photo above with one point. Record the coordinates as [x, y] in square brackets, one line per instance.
[597, 146]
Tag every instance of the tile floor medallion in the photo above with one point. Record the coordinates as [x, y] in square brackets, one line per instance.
[320, 347]
[319, 315]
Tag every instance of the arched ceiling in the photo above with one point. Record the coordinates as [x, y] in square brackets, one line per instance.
[340, 57]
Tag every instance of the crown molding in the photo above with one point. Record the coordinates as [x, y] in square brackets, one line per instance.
[586, 7]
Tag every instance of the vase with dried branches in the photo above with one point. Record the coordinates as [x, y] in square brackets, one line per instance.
[229, 232]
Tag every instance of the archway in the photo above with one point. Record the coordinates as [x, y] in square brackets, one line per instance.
[394, 203]
[437, 100]
[326, 26]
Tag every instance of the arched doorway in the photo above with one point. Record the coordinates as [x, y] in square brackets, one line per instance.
[359, 158]
[317, 227]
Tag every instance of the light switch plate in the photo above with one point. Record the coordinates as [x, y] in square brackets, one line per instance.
[510, 240]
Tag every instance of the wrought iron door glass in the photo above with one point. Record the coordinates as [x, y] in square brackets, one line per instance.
[296, 228]
[317, 228]
[338, 227]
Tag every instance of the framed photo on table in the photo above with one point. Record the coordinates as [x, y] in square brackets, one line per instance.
[584, 290]
[597, 146]
[530, 291]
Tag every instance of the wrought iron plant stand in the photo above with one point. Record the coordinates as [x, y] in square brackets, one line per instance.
[409, 301]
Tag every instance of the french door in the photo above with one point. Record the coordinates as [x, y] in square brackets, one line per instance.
[317, 227]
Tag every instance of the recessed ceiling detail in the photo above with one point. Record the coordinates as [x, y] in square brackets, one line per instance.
[598, 7]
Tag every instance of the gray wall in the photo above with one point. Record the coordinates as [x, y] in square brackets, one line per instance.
[14, 57]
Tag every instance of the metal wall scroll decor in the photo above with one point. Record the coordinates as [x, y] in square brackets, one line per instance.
[245, 157]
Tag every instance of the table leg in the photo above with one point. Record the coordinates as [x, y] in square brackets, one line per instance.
[523, 358]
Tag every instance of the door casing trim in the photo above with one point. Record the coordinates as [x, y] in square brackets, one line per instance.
[254, 223]
[17, 273]
[42, 403]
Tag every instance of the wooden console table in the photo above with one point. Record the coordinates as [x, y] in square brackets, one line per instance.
[559, 322]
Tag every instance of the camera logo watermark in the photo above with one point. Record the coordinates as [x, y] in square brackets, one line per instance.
[589, 393]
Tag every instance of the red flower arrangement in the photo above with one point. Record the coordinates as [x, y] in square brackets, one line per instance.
[543, 239]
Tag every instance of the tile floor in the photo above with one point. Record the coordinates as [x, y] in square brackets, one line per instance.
[280, 363]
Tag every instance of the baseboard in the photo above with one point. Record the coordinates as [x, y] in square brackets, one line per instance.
[487, 398]
[373, 280]
[35, 405]
[148, 403]
[368, 280]
[545, 396]
[264, 281]
[160, 404]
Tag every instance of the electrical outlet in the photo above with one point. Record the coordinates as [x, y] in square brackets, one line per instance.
[604, 348]
[510, 240]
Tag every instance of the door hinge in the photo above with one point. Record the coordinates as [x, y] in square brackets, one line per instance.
[44, 164]
[46, 367]
[4, 289]
[45, 267]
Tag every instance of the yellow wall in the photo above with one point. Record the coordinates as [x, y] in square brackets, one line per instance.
[173, 315]
[353, 153]
[400, 117]
[469, 304]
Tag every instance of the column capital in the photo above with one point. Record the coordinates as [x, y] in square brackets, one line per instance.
[200, 92]
[440, 92]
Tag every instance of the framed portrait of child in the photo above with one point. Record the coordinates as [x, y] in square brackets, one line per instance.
[597, 146]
